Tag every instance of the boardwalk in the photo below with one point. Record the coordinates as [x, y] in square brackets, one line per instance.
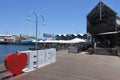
[77, 67]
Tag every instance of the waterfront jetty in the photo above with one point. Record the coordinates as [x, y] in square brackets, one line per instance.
[79, 66]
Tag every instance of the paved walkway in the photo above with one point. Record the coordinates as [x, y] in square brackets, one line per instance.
[77, 67]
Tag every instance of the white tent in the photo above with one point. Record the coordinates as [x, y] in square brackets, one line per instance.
[76, 40]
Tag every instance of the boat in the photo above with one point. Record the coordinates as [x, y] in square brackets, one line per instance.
[26, 42]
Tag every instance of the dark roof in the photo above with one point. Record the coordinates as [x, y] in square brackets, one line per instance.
[97, 8]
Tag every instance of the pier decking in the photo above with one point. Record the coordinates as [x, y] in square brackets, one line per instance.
[77, 67]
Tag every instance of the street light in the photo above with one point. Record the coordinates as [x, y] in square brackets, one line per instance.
[36, 22]
[36, 16]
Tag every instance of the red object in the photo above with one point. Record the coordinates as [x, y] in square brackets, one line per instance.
[15, 63]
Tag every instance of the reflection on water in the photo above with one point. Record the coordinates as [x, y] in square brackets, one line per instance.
[6, 49]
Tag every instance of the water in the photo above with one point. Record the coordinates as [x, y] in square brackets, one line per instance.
[6, 49]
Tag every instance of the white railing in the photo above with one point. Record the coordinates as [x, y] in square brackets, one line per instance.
[44, 57]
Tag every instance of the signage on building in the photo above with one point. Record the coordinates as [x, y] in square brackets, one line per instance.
[46, 35]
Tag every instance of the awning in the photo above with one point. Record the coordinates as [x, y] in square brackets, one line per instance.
[76, 40]
[109, 33]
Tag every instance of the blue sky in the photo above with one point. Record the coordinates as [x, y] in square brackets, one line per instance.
[61, 16]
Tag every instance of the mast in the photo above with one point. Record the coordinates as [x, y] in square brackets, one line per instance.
[100, 11]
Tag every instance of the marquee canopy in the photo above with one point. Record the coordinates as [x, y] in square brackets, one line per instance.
[76, 40]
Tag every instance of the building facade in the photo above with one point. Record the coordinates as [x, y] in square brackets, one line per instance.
[71, 36]
[104, 26]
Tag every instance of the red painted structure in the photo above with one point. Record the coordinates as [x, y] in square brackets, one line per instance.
[15, 63]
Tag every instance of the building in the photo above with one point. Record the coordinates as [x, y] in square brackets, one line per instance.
[103, 25]
[71, 36]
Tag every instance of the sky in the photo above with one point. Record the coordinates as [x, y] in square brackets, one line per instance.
[61, 16]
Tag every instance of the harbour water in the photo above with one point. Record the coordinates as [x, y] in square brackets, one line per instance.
[6, 49]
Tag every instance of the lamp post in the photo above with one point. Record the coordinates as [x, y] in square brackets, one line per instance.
[36, 30]
[36, 22]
